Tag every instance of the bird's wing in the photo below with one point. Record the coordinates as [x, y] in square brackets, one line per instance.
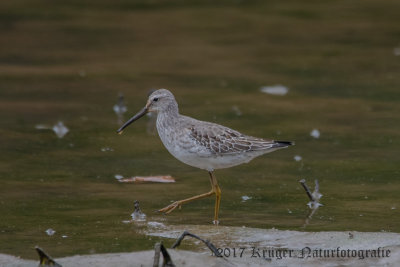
[223, 140]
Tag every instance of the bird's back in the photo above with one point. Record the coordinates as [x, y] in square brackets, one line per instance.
[210, 146]
[221, 140]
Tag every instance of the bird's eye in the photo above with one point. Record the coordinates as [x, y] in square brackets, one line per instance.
[155, 99]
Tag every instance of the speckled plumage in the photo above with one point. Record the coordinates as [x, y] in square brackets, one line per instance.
[201, 144]
[206, 145]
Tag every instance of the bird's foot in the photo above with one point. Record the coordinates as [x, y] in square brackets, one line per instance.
[171, 207]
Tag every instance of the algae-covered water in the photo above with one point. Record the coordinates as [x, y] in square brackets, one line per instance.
[68, 61]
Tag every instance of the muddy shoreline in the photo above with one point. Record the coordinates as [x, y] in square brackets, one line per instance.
[241, 246]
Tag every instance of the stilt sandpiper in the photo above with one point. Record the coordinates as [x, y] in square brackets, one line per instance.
[201, 144]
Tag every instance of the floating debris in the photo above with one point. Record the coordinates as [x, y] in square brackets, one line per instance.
[151, 123]
[275, 89]
[143, 179]
[315, 133]
[107, 149]
[120, 108]
[396, 51]
[42, 127]
[82, 73]
[138, 215]
[118, 176]
[245, 198]
[156, 224]
[393, 208]
[59, 128]
[314, 196]
[237, 111]
[151, 128]
[64, 236]
[50, 232]
[314, 205]
[297, 158]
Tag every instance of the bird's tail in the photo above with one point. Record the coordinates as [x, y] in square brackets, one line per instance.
[282, 144]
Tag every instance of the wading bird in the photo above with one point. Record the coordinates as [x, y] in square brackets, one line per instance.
[201, 144]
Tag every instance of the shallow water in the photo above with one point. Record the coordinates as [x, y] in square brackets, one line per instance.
[69, 63]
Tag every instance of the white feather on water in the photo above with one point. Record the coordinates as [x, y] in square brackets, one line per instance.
[275, 89]
[297, 158]
[245, 198]
[50, 232]
[118, 176]
[315, 133]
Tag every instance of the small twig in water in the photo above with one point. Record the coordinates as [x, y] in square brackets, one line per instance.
[208, 243]
[167, 258]
[137, 207]
[167, 262]
[303, 183]
[314, 199]
[45, 260]
[157, 249]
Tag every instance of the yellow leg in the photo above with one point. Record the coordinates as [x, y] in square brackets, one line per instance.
[214, 190]
[217, 192]
[178, 203]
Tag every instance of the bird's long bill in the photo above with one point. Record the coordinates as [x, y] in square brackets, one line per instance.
[137, 116]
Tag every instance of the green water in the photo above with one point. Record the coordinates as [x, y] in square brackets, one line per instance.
[68, 62]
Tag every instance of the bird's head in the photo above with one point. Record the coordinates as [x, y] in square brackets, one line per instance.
[158, 101]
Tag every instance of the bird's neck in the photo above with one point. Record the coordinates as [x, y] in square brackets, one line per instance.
[168, 116]
[172, 110]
